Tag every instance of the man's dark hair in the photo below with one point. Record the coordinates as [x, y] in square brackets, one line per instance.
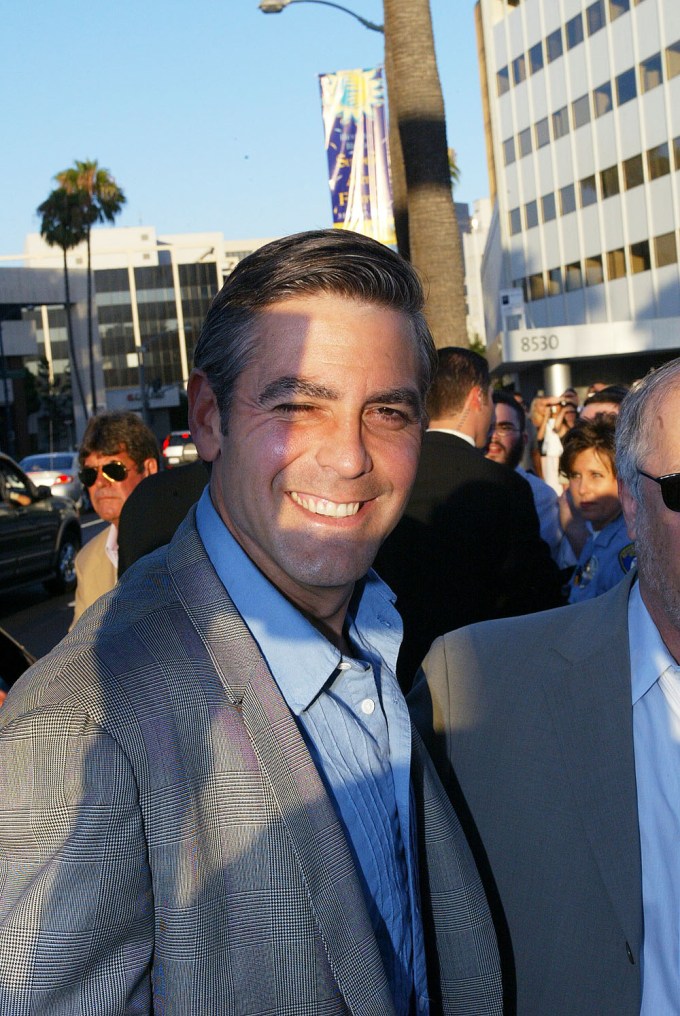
[506, 399]
[613, 394]
[329, 261]
[597, 434]
[458, 371]
[110, 433]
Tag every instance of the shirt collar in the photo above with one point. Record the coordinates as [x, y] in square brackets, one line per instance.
[649, 657]
[456, 433]
[300, 658]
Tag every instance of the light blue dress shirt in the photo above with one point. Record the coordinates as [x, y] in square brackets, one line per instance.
[655, 678]
[355, 722]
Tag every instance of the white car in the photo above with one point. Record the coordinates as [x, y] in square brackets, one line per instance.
[178, 449]
[59, 472]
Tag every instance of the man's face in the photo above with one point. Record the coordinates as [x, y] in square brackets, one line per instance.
[507, 441]
[108, 496]
[593, 488]
[655, 528]
[323, 442]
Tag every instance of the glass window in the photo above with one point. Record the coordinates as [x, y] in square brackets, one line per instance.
[574, 30]
[509, 151]
[625, 87]
[658, 161]
[567, 199]
[665, 250]
[633, 173]
[519, 69]
[531, 214]
[572, 277]
[560, 123]
[536, 287]
[536, 58]
[676, 152]
[609, 182]
[542, 132]
[554, 282]
[503, 81]
[594, 273]
[639, 257]
[524, 138]
[515, 221]
[616, 263]
[580, 111]
[650, 73]
[588, 191]
[673, 60]
[553, 45]
[595, 17]
[548, 207]
[617, 7]
[602, 99]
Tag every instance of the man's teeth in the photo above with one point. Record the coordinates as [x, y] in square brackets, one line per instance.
[320, 506]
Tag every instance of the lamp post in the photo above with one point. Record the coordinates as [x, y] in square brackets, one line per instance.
[276, 6]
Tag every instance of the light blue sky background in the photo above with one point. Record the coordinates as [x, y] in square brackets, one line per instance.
[207, 112]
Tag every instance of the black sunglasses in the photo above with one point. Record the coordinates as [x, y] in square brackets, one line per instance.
[670, 488]
[115, 470]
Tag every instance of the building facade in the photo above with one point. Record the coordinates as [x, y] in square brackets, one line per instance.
[582, 109]
[152, 293]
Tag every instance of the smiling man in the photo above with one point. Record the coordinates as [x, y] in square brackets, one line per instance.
[117, 452]
[246, 822]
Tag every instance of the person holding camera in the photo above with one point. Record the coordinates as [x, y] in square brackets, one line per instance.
[557, 417]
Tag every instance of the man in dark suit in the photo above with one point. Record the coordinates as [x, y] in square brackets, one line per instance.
[212, 798]
[468, 547]
[558, 736]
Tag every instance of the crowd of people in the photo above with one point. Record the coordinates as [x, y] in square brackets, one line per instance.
[216, 798]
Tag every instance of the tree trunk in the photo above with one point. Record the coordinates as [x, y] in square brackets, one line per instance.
[69, 335]
[417, 106]
[397, 171]
[90, 340]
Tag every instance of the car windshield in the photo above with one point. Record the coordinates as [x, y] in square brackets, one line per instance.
[39, 463]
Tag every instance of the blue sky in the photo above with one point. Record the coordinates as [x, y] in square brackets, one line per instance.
[206, 112]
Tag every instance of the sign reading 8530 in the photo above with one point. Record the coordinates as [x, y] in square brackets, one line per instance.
[539, 343]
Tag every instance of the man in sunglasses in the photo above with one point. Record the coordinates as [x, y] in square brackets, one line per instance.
[561, 734]
[117, 452]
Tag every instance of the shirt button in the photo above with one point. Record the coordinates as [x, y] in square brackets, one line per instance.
[367, 706]
[344, 665]
[384, 622]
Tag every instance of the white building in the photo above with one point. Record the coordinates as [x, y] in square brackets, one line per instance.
[152, 293]
[582, 104]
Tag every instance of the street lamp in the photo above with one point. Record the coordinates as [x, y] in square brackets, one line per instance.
[276, 6]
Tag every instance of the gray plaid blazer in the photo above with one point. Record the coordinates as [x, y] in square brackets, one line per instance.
[167, 844]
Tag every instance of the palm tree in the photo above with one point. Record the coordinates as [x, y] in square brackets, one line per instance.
[101, 199]
[62, 226]
[425, 219]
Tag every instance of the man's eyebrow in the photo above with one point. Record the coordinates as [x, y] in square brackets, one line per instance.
[292, 385]
[399, 396]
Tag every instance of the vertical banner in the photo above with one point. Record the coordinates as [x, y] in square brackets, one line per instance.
[353, 106]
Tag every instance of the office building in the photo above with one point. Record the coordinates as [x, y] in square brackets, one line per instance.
[582, 108]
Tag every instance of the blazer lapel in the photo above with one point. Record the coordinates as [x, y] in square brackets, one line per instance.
[591, 704]
[318, 838]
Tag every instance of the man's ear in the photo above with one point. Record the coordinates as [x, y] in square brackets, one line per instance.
[204, 417]
[150, 467]
[629, 506]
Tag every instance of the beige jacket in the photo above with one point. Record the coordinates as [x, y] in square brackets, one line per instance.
[95, 573]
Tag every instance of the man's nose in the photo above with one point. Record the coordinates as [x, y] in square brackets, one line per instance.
[343, 449]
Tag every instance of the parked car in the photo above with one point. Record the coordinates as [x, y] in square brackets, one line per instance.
[39, 534]
[178, 448]
[59, 472]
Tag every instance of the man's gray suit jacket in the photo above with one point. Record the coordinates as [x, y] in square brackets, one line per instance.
[167, 844]
[529, 721]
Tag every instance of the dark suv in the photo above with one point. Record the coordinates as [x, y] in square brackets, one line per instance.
[39, 534]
